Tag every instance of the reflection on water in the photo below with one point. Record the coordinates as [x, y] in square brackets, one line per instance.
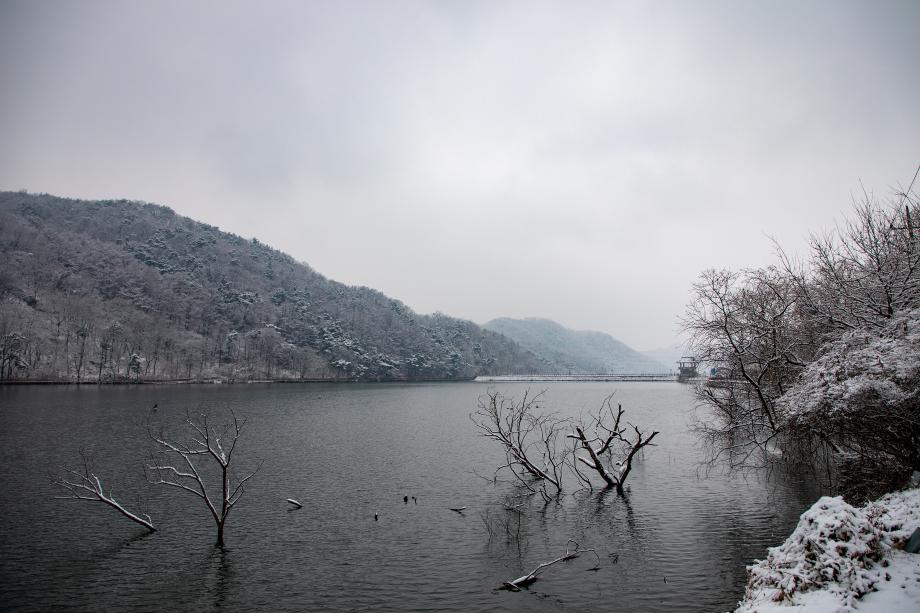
[679, 540]
[223, 575]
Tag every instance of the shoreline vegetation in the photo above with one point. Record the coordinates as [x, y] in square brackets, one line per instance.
[530, 378]
[122, 290]
[819, 360]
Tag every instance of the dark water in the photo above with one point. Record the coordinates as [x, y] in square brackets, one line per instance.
[678, 542]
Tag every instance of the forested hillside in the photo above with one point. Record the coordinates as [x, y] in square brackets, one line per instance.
[575, 351]
[123, 290]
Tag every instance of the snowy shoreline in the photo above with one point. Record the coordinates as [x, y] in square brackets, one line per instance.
[842, 558]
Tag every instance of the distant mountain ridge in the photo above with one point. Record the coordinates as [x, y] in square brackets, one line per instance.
[574, 351]
[120, 290]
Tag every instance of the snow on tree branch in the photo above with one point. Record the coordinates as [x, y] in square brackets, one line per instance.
[611, 452]
[884, 362]
[84, 484]
[181, 465]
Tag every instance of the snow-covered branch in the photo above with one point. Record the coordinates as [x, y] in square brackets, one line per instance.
[525, 580]
[84, 484]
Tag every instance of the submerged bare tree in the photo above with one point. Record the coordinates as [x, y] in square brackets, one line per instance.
[610, 448]
[535, 450]
[532, 442]
[183, 465]
[83, 484]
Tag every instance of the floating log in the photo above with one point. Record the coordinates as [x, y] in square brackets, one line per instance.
[521, 582]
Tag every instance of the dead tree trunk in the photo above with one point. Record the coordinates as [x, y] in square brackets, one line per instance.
[610, 451]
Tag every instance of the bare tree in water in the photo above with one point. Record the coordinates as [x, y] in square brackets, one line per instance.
[610, 447]
[532, 442]
[183, 464]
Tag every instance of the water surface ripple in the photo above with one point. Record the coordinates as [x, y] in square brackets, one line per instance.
[678, 542]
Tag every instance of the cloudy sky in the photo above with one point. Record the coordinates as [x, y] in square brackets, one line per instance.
[573, 160]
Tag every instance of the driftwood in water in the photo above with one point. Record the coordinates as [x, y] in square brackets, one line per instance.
[521, 582]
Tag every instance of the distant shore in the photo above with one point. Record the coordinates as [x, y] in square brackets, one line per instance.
[585, 377]
[528, 378]
[15, 382]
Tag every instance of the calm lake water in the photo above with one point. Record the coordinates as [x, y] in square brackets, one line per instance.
[679, 542]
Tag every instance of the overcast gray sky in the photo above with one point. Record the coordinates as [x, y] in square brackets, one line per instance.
[573, 160]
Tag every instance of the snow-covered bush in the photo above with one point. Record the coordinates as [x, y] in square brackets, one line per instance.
[834, 543]
[837, 552]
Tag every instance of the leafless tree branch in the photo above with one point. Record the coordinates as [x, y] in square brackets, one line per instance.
[84, 484]
[525, 580]
[531, 441]
[610, 451]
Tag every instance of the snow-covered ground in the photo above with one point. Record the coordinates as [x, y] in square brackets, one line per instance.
[842, 558]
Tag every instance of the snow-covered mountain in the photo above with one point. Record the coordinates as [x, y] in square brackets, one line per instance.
[575, 351]
[123, 290]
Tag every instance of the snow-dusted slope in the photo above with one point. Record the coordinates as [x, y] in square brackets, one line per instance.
[146, 294]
